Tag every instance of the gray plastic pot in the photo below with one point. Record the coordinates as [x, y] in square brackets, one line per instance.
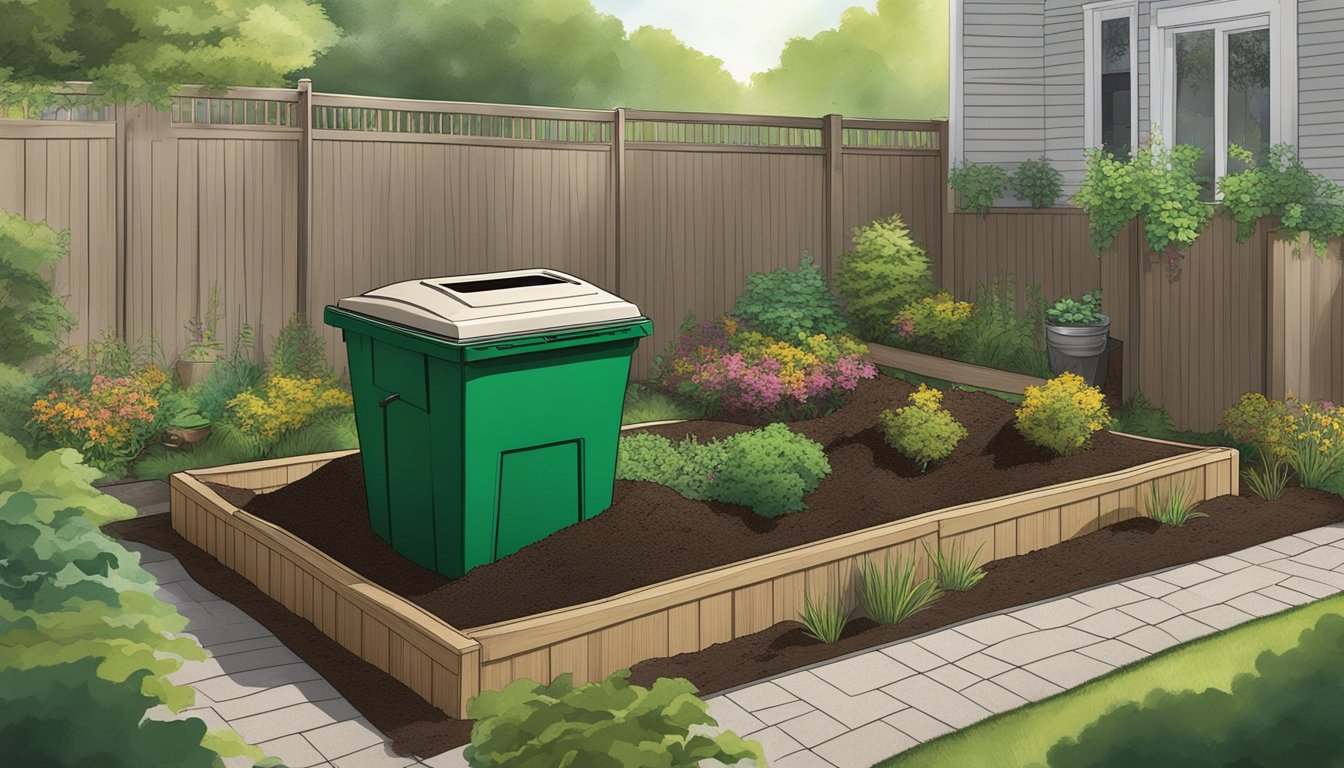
[1079, 349]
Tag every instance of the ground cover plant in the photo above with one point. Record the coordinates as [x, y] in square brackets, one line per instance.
[645, 403]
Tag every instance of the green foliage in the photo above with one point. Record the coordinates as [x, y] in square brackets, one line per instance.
[891, 593]
[226, 444]
[955, 570]
[328, 432]
[1303, 201]
[824, 620]
[139, 52]
[769, 469]
[977, 185]
[1085, 311]
[1037, 182]
[230, 377]
[1267, 481]
[790, 304]
[32, 317]
[1176, 508]
[611, 724]
[299, 351]
[935, 324]
[886, 271]
[998, 336]
[1288, 714]
[644, 404]
[923, 431]
[202, 341]
[1062, 414]
[1162, 186]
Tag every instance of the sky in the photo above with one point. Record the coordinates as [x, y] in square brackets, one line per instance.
[747, 34]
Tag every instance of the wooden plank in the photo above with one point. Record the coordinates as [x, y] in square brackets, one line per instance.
[716, 619]
[1005, 539]
[1038, 530]
[753, 608]
[571, 656]
[1079, 518]
[952, 370]
[683, 629]
[534, 666]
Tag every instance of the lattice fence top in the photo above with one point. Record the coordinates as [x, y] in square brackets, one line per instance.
[216, 110]
[465, 124]
[722, 134]
[891, 138]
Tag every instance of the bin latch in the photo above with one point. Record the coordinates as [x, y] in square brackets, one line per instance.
[390, 398]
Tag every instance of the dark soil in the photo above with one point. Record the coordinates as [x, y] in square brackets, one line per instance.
[651, 534]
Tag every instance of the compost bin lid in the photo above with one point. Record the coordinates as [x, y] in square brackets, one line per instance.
[492, 304]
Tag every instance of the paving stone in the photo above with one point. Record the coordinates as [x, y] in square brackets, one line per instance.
[167, 571]
[1281, 593]
[1026, 685]
[1110, 623]
[813, 728]
[195, 671]
[1113, 652]
[174, 593]
[1109, 596]
[227, 687]
[198, 618]
[1151, 587]
[295, 719]
[294, 750]
[1056, 613]
[1309, 587]
[239, 646]
[865, 672]
[917, 725]
[983, 666]
[776, 715]
[377, 756]
[1068, 669]
[732, 717]
[953, 677]
[1324, 535]
[1257, 555]
[277, 698]
[1188, 575]
[344, 738]
[761, 696]
[853, 711]
[453, 758]
[225, 611]
[949, 644]
[993, 697]
[1328, 558]
[147, 553]
[1289, 545]
[227, 634]
[864, 747]
[1224, 564]
[776, 743]
[1150, 639]
[1151, 611]
[1188, 600]
[1027, 648]
[937, 700]
[1256, 604]
[913, 656]
[802, 759]
[1184, 628]
[1247, 580]
[1318, 575]
[1221, 616]
[995, 629]
[212, 719]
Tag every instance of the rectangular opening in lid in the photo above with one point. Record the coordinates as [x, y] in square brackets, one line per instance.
[502, 283]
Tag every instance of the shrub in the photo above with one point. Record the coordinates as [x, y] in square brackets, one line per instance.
[886, 271]
[32, 316]
[955, 571]
[1302, 200]
[111, 423]
[824, 620]
[790, 304]
[1261, 423]
[1176, 508]
[1085, 311]
[1037, 182]
[923, 431]
[288, 404]
[1287, 713]
[769, 469]
[299, 351]
[891, 594]
[1062, 414]
[1309, 437]
[229, 378]
[998, 336]
[610, 724]
[934, 324]
[742, 374]
[978, 186]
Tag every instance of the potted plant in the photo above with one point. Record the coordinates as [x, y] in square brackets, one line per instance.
[187, 428]
[1076, 334]
[203, 347]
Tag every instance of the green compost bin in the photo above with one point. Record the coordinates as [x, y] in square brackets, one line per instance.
[488, 408]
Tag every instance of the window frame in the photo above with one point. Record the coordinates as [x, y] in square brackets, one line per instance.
[1093, 15]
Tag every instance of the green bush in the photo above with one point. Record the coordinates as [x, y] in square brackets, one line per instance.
[790, 303]
[886, 271]
[32, 317]
[977, 185]
[923, 431]
[299, 351]
[230, 377]
[769, 469]
[1303, 201]
[1037, 182]
[1286, 714]
[611, 724]
[998, 336]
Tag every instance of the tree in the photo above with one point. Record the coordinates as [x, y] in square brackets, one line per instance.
[141, 51]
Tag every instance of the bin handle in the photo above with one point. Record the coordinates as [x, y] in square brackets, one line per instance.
[384, 402]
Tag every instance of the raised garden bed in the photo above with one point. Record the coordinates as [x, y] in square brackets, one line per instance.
[658, 575]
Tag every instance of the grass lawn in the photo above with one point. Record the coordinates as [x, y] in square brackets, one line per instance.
[1022, 737]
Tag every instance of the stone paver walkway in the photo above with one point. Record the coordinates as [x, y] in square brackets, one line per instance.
[855, 711]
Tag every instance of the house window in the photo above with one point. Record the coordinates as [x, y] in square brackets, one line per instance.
[1224, 73]
[1112, 98]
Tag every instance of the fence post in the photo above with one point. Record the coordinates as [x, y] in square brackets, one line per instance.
[833, 141]
[304, 197]
[617, 195]
[122, 225]
[947, 243]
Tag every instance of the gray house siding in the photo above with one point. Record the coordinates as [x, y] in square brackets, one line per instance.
[997, 115]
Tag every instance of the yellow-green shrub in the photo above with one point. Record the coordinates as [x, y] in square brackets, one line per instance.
[924, 431]
[1062, 414]
[289, 403]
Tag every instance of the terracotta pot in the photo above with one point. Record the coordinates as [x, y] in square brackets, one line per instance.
[193, 372]
[189, 436]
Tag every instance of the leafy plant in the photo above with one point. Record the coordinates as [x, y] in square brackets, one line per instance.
[111, 423]
[977, 185]
[189, 419]
[999, 336]
[790, 304]
[1176, 508]
[1085, 311]
[923, 431]
[332, 432]
[934, 324]
[1062, 414]
[202, 343]
[1316, 444]
[33, 318]
[1302, 200]
[644, 404]
[286, 404]
[885, 272]
[299, 351]
[609, 723]
[891, 594]
[1037, 182]
[1261, 423]
[226, 444]
[955, 571]
[824, 620]
[1267, 481]
[229, 378]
